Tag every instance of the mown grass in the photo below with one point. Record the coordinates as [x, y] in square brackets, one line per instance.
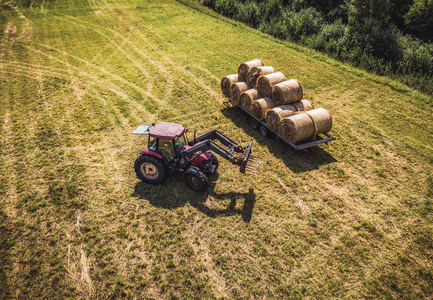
[348, 220]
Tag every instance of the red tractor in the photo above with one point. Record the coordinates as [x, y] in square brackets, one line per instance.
[168, 152]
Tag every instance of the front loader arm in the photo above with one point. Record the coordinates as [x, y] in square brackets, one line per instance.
[209, 145]
[217, 135]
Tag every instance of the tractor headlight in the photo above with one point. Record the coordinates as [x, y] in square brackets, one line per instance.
[205, 165]
[183, 163]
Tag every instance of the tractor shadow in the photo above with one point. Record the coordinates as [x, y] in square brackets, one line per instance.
[174, 193]
[298, 161]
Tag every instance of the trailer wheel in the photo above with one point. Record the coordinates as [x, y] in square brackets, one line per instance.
[150, 169]
[263, 131]
[195, 179]
[254, 123]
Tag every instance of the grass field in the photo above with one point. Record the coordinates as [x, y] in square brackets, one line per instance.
[349, 220]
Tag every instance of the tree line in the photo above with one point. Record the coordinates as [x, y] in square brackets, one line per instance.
[386, 37]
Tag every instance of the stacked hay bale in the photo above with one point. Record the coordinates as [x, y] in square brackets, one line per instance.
[256, 72]
[227, 81]
[236, 89]
[246, 67]
[275, 115]
[305, 125]
[270, 97]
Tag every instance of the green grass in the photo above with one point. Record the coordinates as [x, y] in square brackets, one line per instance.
[348, 220]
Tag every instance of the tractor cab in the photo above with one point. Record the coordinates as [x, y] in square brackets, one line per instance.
[164, 139]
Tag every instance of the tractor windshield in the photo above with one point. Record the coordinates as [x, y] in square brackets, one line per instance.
[165, 147]
[152, 143]
[180, 142]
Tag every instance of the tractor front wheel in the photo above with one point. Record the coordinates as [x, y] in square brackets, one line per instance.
[214, 162]
[150, 169]
[195, 179]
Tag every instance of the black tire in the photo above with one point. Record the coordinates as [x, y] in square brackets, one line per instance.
[150, 169]
[214, 161]
[195, 179]
[254, 123]
[263, 131]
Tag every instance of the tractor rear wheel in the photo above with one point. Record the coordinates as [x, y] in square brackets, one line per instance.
[195, 179]
[150, 169]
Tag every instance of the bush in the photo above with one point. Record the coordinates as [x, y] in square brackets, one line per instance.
[304, 23]
[208, 3]
[419, 18]
[270, 10]
[417, 59]
[276, 28]
[226, 7]
[329, 38]
[248, 13]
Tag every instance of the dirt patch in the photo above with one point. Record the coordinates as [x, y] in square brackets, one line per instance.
[10, 28]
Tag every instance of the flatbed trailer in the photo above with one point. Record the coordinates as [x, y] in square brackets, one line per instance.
[264, 130]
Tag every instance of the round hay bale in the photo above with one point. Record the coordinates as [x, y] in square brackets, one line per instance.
[247, 98]
[275, 115]
[236, 89]
[303, 105]
[287, 92]
[266, 82]
[305, 125]
[256, 72]
[322, 120]
[226, 82]
[297, 127]
[245, 67]
[261, 106]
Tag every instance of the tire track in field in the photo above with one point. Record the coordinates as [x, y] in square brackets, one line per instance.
[87, 64]
[132, 101]
[43, 5]
[166, 57]
[76, 86]
[107, 83]
[7, 155]
[91, 84]
[136, 50]
[9, 151]
[110, 109]
[117, 45]
[169, 60]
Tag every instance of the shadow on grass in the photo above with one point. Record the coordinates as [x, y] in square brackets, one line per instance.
[298, 161]
[179, 194]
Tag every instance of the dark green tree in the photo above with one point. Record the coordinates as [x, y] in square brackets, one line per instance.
[419, 18]
[364, 12]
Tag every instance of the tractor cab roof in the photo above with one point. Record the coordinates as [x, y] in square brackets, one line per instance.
[166, 130]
